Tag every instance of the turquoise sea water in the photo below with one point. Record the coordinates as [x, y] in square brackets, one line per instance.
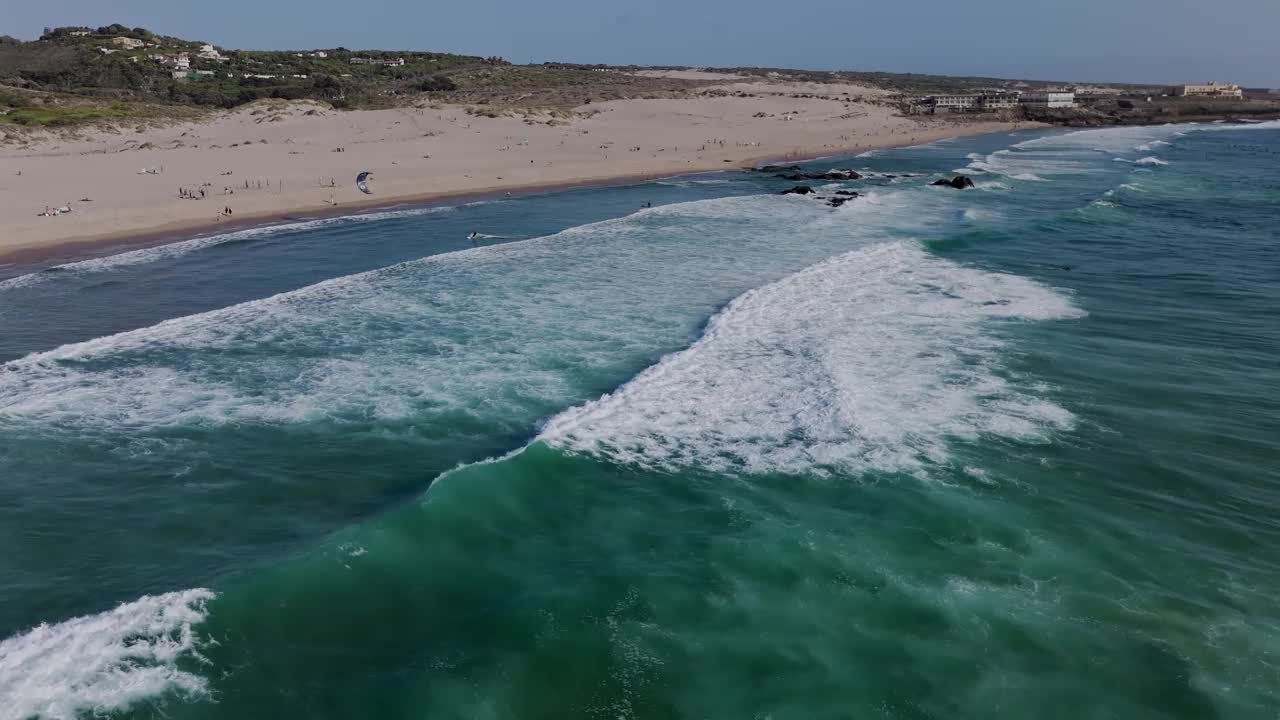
[1011, 452]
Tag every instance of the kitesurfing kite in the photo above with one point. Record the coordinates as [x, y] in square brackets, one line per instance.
[362, 182]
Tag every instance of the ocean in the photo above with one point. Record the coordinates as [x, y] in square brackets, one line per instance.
[1006, 452]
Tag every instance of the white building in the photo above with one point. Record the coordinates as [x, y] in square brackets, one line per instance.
[1050, 99]
[127, 43]
[992, 102]
[1213, 89]
[372, 61]
[955, 103]
[181, 61]
[209, 52]
[79, 33]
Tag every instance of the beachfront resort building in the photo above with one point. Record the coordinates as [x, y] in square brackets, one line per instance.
[993, 102]
[953, 103]
[1212, 89]
[1050, 99]
[984, 102]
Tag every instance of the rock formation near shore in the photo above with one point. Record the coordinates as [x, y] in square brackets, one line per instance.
[959, 182]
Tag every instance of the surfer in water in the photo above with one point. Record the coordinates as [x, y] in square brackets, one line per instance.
[474, 235]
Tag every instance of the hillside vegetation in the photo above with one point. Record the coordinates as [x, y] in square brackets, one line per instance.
[91, 62]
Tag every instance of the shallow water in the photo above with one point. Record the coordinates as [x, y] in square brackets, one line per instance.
[1007, 452]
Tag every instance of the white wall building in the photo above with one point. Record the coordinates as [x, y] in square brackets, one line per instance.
[955, 103]
[1213, 89]
[209, 52]
[998, 101]
[1050, 99]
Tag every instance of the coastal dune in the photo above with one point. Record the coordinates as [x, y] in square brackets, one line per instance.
[278, 159]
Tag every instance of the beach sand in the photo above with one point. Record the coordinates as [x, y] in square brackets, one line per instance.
[275, 159]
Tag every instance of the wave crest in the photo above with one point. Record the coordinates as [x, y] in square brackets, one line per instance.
[869, 361]
[105, 662]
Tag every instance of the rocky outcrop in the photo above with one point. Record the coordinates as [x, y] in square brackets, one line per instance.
[795, 173]
[798, 190]
[777, 169]
[835, 175]
[959, 182]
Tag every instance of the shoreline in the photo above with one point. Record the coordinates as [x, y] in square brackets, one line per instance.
[114, 242]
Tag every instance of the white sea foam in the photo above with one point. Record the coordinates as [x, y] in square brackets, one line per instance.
[1119, 141]
[490, 329]
[1150, 161]
[158, 253]
[98, 664]
[870, 360]
[1026, 165]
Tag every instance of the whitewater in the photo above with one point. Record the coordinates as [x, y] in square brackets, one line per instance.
[615, 468]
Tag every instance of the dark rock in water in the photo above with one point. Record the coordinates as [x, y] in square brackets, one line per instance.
[842, 175]
[777, 169]
[798, 190]
[959, 182]
[832, 175]
[850, 193]
[837, 202]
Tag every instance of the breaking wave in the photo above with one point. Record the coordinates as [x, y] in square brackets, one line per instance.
[104, 663]
[493, 329]
[872, 360]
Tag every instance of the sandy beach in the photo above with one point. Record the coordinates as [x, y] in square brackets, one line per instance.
[272, 160]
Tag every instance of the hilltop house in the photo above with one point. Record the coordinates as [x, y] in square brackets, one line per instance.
[371, 61]
[127, 43]
[180, 62]
[209, 52]
[1212, 89]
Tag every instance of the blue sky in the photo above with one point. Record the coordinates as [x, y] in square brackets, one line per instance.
[1162, 41]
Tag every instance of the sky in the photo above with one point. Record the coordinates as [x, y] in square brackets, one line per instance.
[1145, 41]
